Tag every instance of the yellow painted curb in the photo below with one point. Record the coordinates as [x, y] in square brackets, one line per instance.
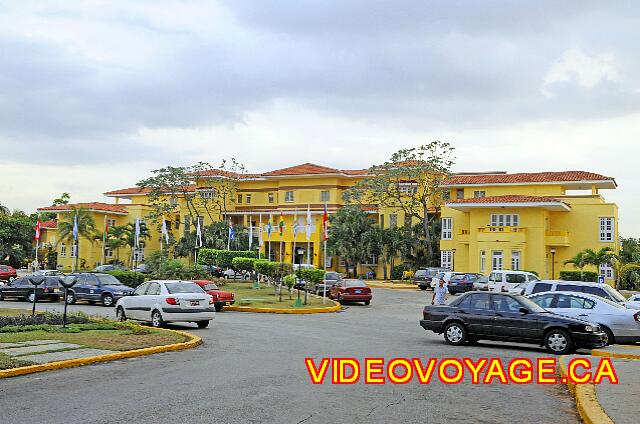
[334, 308]
[70, 363]
[597, 352]
[586, 400]
[392, 287]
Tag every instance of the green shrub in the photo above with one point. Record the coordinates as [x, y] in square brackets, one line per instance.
[243, 264]
[589, 276]
[128, 278]
[222, 258]
[47, 318]
[398, 271]
[289, 281]
[312, 275]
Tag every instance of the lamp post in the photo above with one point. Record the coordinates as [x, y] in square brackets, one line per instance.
[553, 264]
[67, 283]
[36, 280]
[453, 257]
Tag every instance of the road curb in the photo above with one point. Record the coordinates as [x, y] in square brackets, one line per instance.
[70, 363]
[586, 399]
[385, 286]
[336, 307]
[609, 354]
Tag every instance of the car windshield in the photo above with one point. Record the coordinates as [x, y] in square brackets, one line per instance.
[4, 269]
[521, 286]
[210, 287]
[615, 294]
[439, 275]
[355, 283]
[332, 276]
[456, 277]
[530, 305]
[108, 280]
[421, 273]
[174, 288]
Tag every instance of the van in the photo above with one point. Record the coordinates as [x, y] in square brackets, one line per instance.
[598, 289]
[507, 280]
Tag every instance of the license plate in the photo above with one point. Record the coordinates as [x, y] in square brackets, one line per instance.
[195, 303]
[227, 303]
[56, 291]
[358, 291]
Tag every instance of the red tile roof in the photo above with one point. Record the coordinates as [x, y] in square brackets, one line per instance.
[52, 223]
[95, 206]
[304, 169]
[139, 190]
[222, 173]
[511, 198]
[529, 177]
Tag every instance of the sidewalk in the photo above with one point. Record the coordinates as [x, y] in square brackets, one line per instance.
[44, 351]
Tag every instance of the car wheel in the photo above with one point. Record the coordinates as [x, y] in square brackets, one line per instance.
[11, 278]
[455, 333]
[120, 315]
[225, 276]
[218, 308]
[156, 319]
[367, 302]
[610, 337]
[558, 342]
[71, 298]
[1, 296]
[340, 300]
[202, 324]
[107, 300]
[31, 298]
[423, 288]
[55, 299]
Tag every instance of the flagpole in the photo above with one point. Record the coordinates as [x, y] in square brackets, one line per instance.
[104, 238]
[324, 236]
[37, 242]
[295, 233]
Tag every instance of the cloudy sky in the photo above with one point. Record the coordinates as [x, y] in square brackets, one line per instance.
[95, 94]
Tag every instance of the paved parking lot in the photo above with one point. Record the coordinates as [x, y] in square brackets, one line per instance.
[251, 370]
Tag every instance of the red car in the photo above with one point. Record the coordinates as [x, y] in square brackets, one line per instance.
[7, 273]
[220, 298]
[351, 291]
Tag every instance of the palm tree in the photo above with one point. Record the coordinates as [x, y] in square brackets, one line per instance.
[86, 228]
[130, 236]
[116, 237]
[4, 210]
[580, 260]
[621, 270]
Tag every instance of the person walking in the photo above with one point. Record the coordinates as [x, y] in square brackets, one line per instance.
[440, 293]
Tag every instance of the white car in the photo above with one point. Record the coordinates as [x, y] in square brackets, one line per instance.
[235, 275]
[445, 275]
[163, 301]
[622, 325]
[634, 298]
[504, 281]
[598, 289]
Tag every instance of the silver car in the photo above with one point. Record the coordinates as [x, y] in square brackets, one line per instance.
[622, 325]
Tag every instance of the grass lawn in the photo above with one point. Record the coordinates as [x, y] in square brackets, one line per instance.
[265, 297]
[10, 312]
[7, 362]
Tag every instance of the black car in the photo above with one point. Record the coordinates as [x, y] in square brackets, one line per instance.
[462, 283]
[22, 289]
[423, 277]
[506, 317]
[103, 288]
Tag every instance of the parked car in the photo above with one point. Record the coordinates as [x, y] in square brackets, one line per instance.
[634, 298]
[48, 273]
[443, 275]
[220, 298]
[621, 325]
[481, 283]
[351, 291]
[598, 289]
[511, 318]
[92, 287]
[423, 276]
[502, 281]
[462, 283]
[163, 301]
[22, 289]
[330, 279]
[142, 268]
[7, 273]
[216, 271]
[108, 267]
[230, 274]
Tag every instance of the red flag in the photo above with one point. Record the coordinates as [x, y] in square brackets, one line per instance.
[37, 237]
[325, 224]
[106, 224]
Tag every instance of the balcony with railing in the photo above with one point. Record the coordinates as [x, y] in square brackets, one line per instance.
[557, 238]
[502, 233]
[463, 236]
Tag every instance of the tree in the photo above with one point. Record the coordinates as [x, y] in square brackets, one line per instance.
[348, 235]
[601, 257]
[4, 210]
[116, 237]
[385, 243]
[86, 228]
[130, 236]
[16, 237]
[409, 182]
[579, 261]
[62, 200]
[622, 270]
[630, 251]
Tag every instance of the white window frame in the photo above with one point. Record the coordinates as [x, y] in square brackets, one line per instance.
[207, 194]
[408, 188]
[248, 199]
[505, 220]
[108, 252]
[393, 220]
[483, 260]
[111, 223]
[371, 260]
[607, 228]
[446, 259]
[325, 195]
[271, 197]
[74, 250]
[606, 271]
[479, 194]
[497, 260]
[63, 249]
[288, 196]
[447, 229]
[516, 260]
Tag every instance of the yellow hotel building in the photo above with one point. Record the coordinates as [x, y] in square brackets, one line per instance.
[525, 221]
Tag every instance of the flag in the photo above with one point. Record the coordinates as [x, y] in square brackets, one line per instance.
[295, 223]
[325, 224]
[309, 222]
[269, 227]
[75, 227]
[232, 234]
[165, 233]
[250, 233]
[260, 238]
[198, 233]
[281, 224]
[37, 237]
[137, 233]
[106, 224]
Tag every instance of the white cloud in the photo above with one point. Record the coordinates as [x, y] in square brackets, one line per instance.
[585, 69]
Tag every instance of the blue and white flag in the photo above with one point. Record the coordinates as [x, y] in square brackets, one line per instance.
[309, 222]
[198, 233]
[250, 233]
[295, 224]
[232, 234]
[75, 227]
[260, 238]
[137, 233]
[165, 233]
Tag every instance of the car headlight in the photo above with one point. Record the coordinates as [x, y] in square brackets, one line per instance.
[590, 328]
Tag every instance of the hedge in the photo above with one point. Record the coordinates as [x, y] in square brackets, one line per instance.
[243, 264]
[128, 278]
[398, 271]
[222, 258]
[589, 276]
[312, 275]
